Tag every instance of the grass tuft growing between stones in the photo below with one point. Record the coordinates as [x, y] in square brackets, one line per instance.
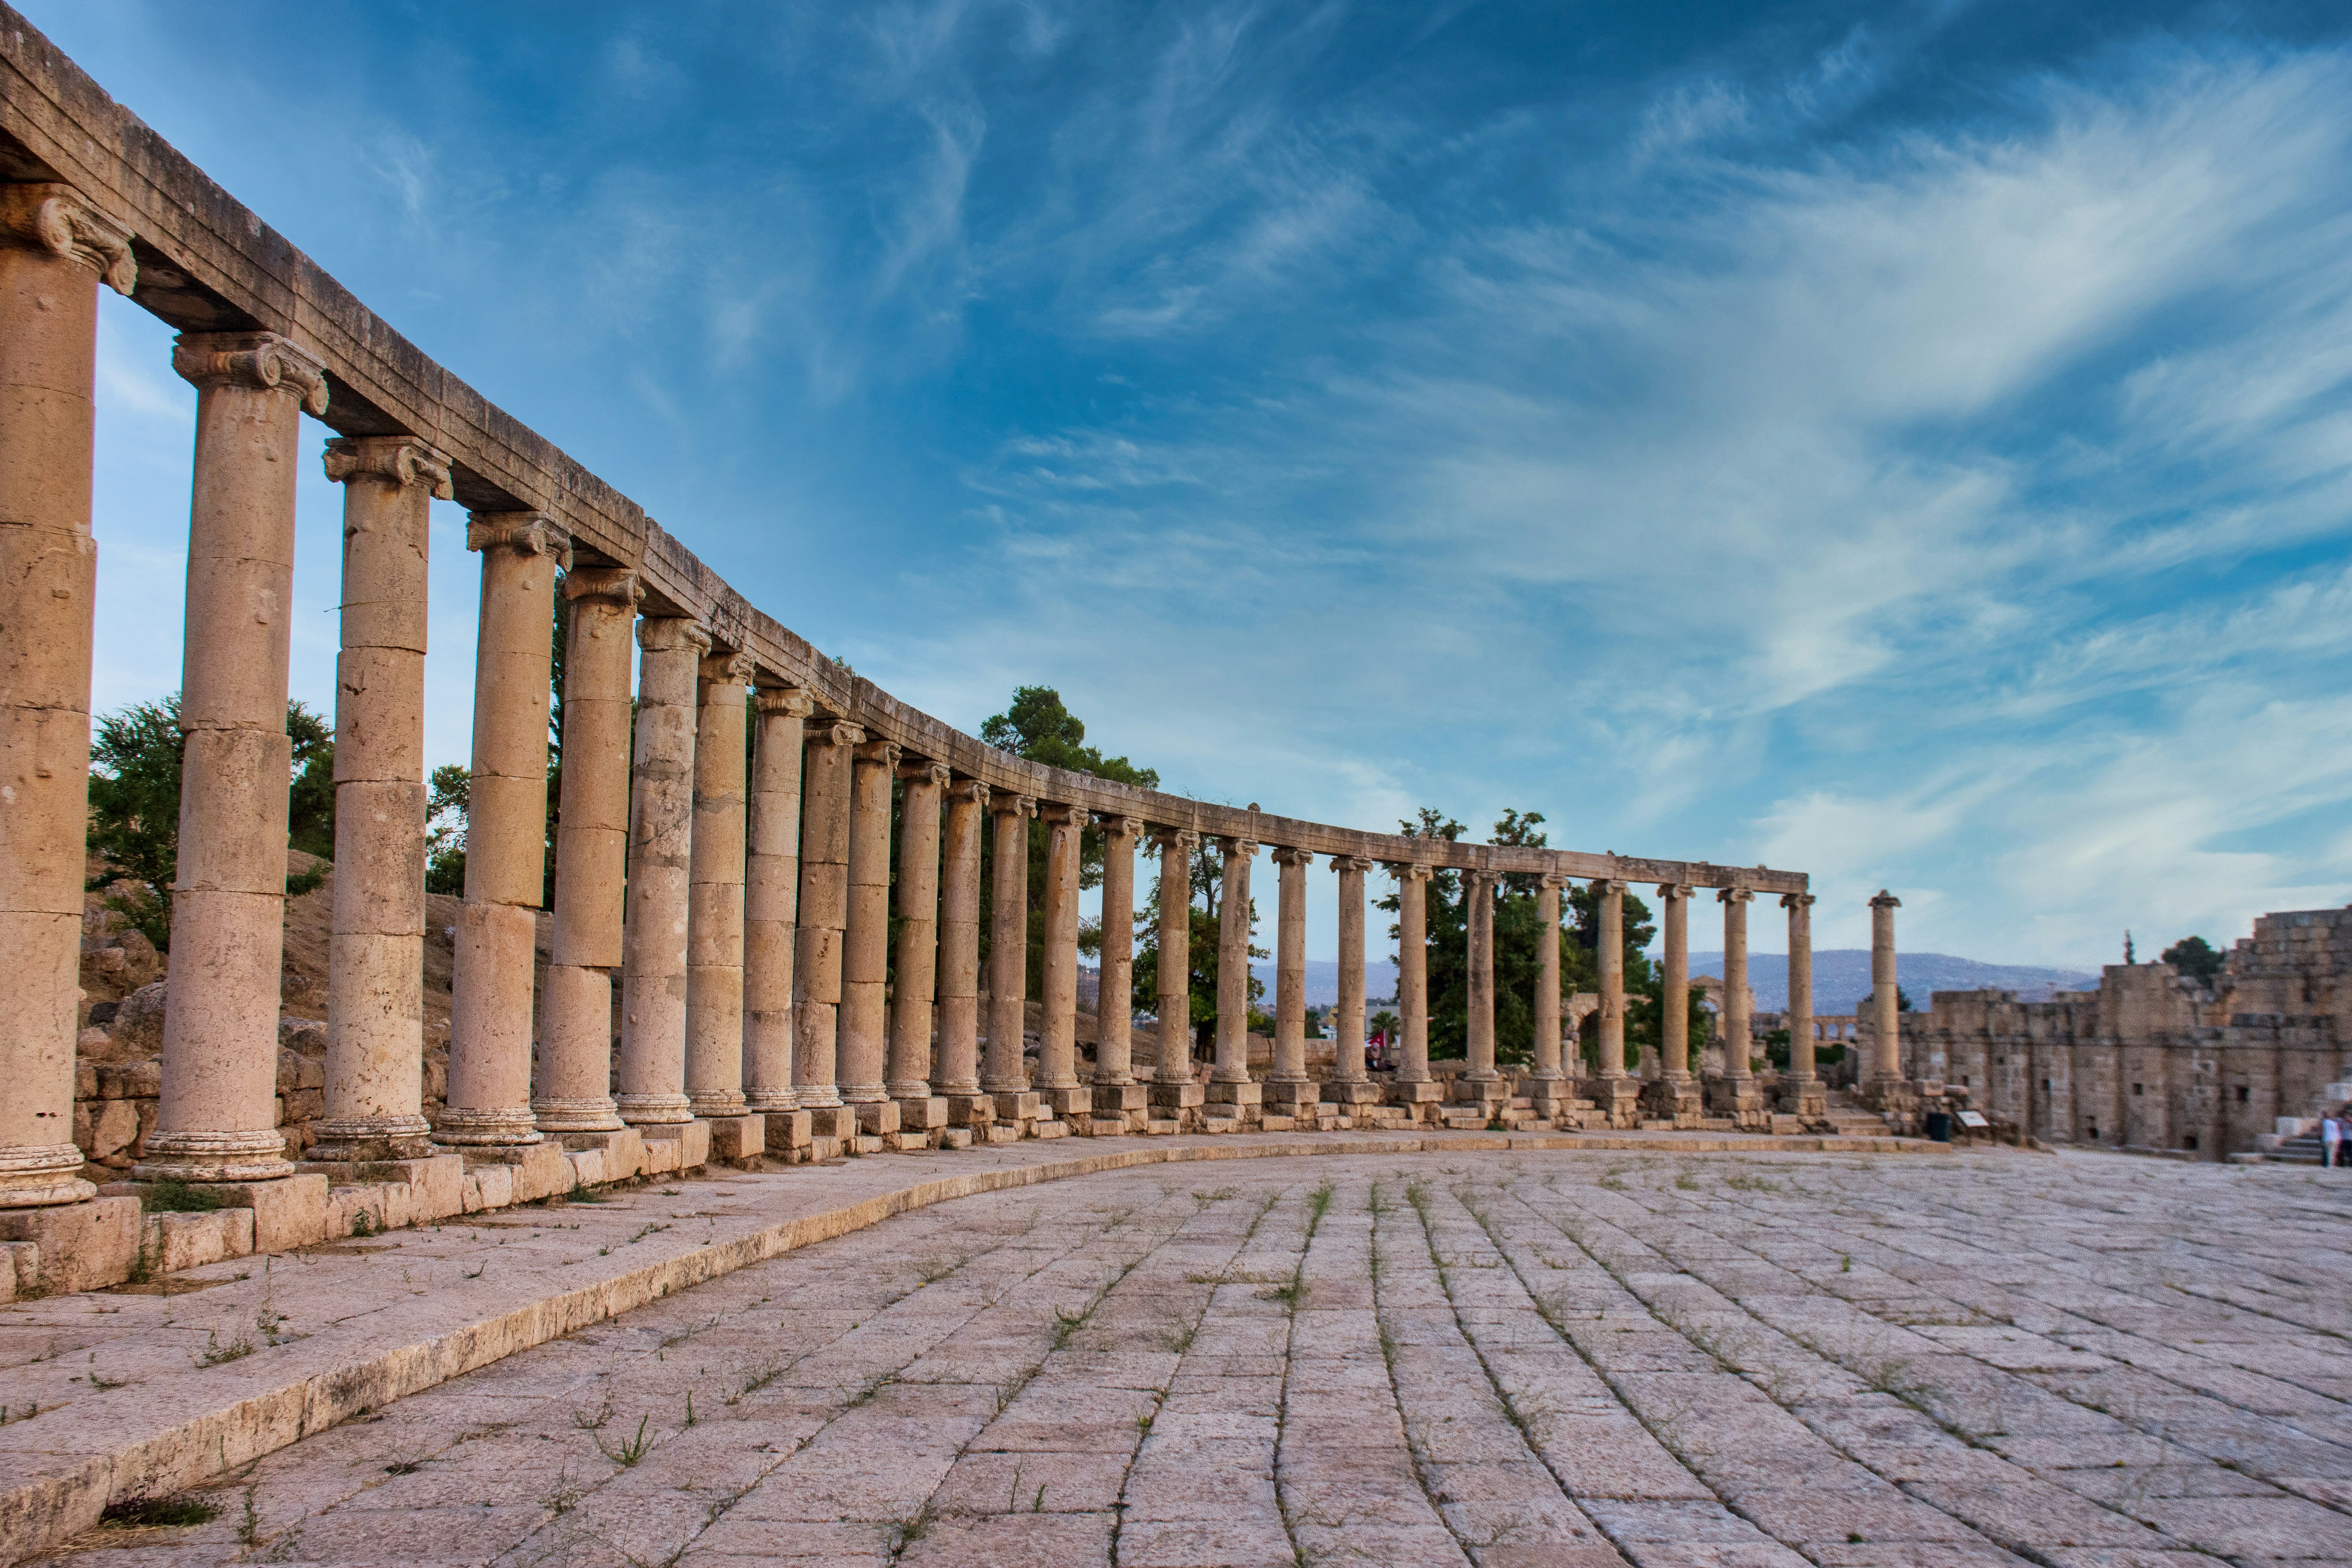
[146, 1513]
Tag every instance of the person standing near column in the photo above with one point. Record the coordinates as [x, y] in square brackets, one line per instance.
[1176, 1091]
[957, 1074]
[489, 1102]
[1229, 1078]
[572, 1086]
[216, 1119]
[714, 929]
[661, 836]
[1413, 1085]
[921, 786]
[1116, 1092]
[376, 966]
[772, 879]
[1288, 1090]
[54, 249]
[1006, 1075]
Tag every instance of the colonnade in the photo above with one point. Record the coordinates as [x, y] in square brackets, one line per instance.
[722, 952]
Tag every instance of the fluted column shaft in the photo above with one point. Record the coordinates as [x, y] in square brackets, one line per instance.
[1348, 1017]
[1290, 966]
[714, 930]
[1673, 1024]
[1738, 1028]
[1232, 964]
[957, 1072]
[824, 912]
[772, 877]
[1413, 969]
[1799, 1017]
[1008, 945]
[1611, 963]
[1478, 892]
[1546, 1065]
[375, 979]
[1114, 1000]
[217, 1118]
[865, 942]
[661, 841]
[917, 966]
[1057, 1032]
[54, 249]
[1885, 1006]
[1175, 956]
[571, 1085]
[490, 1021]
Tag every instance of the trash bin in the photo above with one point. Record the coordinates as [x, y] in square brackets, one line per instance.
[1940, 1126]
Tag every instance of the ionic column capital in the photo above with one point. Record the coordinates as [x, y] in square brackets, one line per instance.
[1412, 872]
[610, 584]
[1554, 881]
[729, 668]
[1736, 895]
[1013, 806]
[1609, 885]
[918, 770]
[1885, 900]
[60, 220]
[1283, 855]
[397, 460]
[524, 532]
[1183, 839]
[833, 732]
[973, 792]
[788, 701]
[1796, 900]
[1480, 876]
[1673, 891]
[1352, 863]
[673, 634]
[259, 362]
[1116, 827]
[1245, 848]
[1058, 814]
[878, 754]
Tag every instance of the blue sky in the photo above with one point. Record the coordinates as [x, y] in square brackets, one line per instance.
[1907, 443]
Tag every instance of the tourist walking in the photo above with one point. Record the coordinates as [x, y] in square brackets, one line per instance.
[2331, 1140]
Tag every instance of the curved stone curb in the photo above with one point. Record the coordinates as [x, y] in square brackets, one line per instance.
[144, 1442]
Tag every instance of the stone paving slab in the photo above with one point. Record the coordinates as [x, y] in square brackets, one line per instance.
[1501, 1359]
[104, 1394]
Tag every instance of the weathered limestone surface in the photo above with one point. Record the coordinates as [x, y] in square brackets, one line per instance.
[714, 930]
[1547, 1357]
[770, 902]
[651, 1089]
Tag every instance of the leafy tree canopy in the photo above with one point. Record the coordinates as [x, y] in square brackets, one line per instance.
[2195, 957]
[1038, 727]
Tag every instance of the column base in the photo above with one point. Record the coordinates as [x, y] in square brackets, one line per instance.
[78, 1246]
[676, 1146]
[1416, 1091]
[713, 1103]
[1015, 1107]
[1282, 1094]
[1618, 1100]
[1804, 1097]
[788, 1133]
[502, 1127]
[1071, 1102]
[1468, 1090]
[1742, 1100]
[833, 1121]
[1675, 1098]
[654, 1110]
[41, 1177]
[1178, 1095]
[970, 1109]
[541, 1169]
[609, 1154]
[1352, 1091]
[369, 1139]
[922, 1114]
[214, 1157]
[876, 1118]
[595, 1114]
[1111, 1097]
[736, 1138]
[770, 1102]
[1240, 1093]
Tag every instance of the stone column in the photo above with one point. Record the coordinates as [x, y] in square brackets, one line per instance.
[217, 1117]
[1548, 1084]
[1800, 1091]
[771, 886]
[54, 249]
[376, 984]
[957, 1074]
[1057, 1031]
[1229, 1077]
[1413, 1085]
[824, 915]
[714, 926]
[1175, 1091]
[489, 1102]
[1616, 1095]
[1287, 1086]
[1479, 1082]
[571, 1087]
[1883, 1010]
[661, 838]
[865, 942]
[1006, 1075]
[921, 786]
[1115, 1090]
[1736, 1093]
[1674, 1025]
[1351, 1087]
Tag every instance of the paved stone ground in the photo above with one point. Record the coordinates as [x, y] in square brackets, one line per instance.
[1506, 1358]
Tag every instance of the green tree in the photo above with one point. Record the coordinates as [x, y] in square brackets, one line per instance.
[446, 804]
[2195, 957]
[1206, 872]
[134, 803]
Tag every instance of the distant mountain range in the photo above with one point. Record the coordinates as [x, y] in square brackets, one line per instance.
[1841, 978]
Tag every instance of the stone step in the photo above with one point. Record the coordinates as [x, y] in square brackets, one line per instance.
[1159, 1128]
[1105, 1126]
[1049, 1130]
[955, 1136]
